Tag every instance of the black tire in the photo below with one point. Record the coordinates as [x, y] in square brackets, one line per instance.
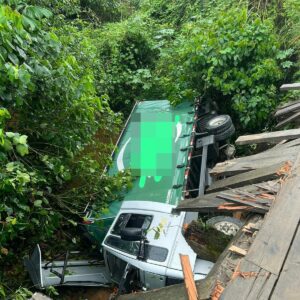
[218, 124]
[203, 121]
[225, 134]
[225, 224]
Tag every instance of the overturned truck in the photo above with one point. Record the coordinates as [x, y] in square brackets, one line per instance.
[169, 151]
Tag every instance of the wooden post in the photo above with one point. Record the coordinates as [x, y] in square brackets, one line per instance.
[188, 277]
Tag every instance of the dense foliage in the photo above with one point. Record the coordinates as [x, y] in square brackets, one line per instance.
[228, 59]
[70, 72]
[50, 113]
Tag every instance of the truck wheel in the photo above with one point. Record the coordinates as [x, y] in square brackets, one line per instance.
[218, 124]
[225, 134]
[225, 224]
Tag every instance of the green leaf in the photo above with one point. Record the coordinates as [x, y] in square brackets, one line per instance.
[23, 177]
[10, 134]
[10, 167]
[7, 145]
[23, 139]
[22, 149]
[37, 203]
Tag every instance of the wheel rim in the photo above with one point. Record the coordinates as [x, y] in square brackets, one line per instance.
[227, 228]
[217, 121]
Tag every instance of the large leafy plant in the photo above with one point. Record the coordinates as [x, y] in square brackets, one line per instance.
[231, 58]
[50, 115]
[121, 56]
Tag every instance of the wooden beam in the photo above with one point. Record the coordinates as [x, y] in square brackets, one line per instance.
[238, 250]
[273, 240]
[210, 202]
[250, 282]
[277, 154]
[288, 284]
[288, 120]
[243, 179]
[287, 110]
[268, 137]
[290, 86]
[205, 203]
[287, 104]
[257, 207]
[188, 277]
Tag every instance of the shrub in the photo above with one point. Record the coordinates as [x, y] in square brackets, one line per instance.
[231, 58]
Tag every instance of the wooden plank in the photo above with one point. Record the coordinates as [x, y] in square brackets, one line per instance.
[273, 240]
[250, 282]
[290, 86]
[288, 110]
[251, 177]
[263, 286]
[238, 250]
[268, 137]
[240, 287]
[204, 203]
[266, 291]
[287, 104]
[288, 284]
[265, 159]
[257, 208]
[188, 277]
[288, 120]
[208, 202]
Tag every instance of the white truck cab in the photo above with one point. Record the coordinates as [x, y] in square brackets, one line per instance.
[160, 265]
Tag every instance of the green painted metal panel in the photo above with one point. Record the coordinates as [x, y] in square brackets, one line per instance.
[152, 146]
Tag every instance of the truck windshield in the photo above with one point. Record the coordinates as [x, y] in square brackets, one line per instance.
[152, 252]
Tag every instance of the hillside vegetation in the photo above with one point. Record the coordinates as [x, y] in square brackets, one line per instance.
[70, 73]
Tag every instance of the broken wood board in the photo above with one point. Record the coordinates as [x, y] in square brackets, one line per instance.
[251, 177]
[287, 110]
[238, 250]
[275, 155]
[257, 207]
[288, 120]
[210, 202]
[188, 277]
[290, 86]
[249, 282]
[273, 240]
[205, 203]
[288, 284]
[287, 104]
[268, 137]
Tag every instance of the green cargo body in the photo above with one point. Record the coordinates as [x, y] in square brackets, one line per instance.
[155, 146]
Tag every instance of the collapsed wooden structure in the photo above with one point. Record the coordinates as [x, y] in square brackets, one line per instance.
[262, 261]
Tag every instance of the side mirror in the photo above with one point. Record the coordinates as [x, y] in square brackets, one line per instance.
[132, 234]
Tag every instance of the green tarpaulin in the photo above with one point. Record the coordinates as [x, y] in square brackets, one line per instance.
[154, 145]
